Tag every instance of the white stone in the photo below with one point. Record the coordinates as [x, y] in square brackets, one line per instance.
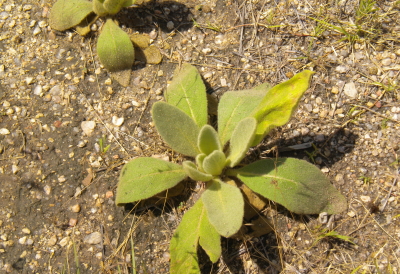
[88, 127]
[4, 131]
[117, 121]
[365, 199]
[93, 238]
[64, 241]
[350, 90]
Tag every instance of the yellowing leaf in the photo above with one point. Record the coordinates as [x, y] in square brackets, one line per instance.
[115, 48]
[66, 14]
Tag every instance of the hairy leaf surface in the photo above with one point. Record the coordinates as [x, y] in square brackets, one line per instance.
[188, 93]
[177, 129]
[242, 138]
[194, 174]
[214, 163]
[279, 103]
[194, 228]
[113, 6]
[296, 184]
[234, 106]
[115, 48]
[208, 140]
[144, 177]
[225, 207]
[66, 14]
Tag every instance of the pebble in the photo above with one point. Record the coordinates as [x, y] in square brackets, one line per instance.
[22, 240]
[4, 131]
[88, 127]
[117, 121]
[37, 30]
[319, 137]
[208, 75]
[93, 238]
[26, 230]
[365, 199]
[52, 241]
[64, 241]
[341, 69]
[76, 208]
[170, 25]
[38, 90]
[350, 90]
[386, 62]
[47, 189]
[351, 214]
[304, 131]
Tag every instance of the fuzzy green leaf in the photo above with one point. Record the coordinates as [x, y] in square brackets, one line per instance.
[199, 161]
[98, 8]
[115, 48]
[194, 228]
[113, 6]
[192, 171]
[143, 178]
[177, 129]
[225, 207]
[66, 14]
[279, 103]
[234, 106]
[214, 163]
[188, 92]
[129, 3]
[208, 140]
[242, 138]
[296, 184]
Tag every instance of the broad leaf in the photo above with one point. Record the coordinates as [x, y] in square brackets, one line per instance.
[177, 129]
[296, 184]
[143, 178]
[214, 163]
[225, 207]
[234, 106]
[188, 92]
[194, 174]
[242, 138]
[279, 103]
[113, 6]
[115, 48]
[98, 8]
[66, 14]
[208, 140]
[194, 228]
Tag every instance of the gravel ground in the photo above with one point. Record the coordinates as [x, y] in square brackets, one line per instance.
[60, 110]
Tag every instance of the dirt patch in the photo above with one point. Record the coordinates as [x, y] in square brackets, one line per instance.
[60, 110]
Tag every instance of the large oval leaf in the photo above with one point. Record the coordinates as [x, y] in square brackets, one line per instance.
[66, 14]
[177, 129]
[194, 228]
[188, 93]
[225, 207]
[242, 138]
[208, 140]
[279, 103]
[234, 106]
[296, 184]
[143, 178]
[115, 48]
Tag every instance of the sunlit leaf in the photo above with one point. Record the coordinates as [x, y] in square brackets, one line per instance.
[98, 8]
[296, 184]
[177, 129]
[144, 177]
[208, 140]
[188, 92]
[66, 14]
[225, 207]
[115, 48]
[242, 138]
[278, 105]
[113, 6]
[194, 228]
[234, 106]
[214, 163]
[194, 174]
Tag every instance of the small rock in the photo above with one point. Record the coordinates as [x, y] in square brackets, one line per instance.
[206, 50]
[351, 214]
[170, 25]
[76, 208]
[208, 75]
[38, 90]
[47, 189]
[37, 30]
[88, 127]
[26, 230]
[14, 169]
[93, 238]
[341, 69]
[386, 62]
[117, 121]
[320, 138]
[72, 222]
[350, 90]
[365, 199]
[52, 241]
[335, 90]
[4, 131]
[64, 241]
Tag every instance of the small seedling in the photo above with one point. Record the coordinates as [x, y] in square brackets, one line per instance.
[103, 149]
[244, 119]
[333, 234]
[114, 47]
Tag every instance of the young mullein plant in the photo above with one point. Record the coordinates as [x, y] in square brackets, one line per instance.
[244, 119]
[114, 47]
